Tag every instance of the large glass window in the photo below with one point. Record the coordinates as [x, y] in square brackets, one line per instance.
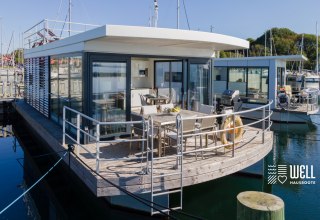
[280, 77]
[76, 83]
[169, 79]
[108, 94]
[258, 84]
[237, 80]
[264, 84]
[252, 82]
[198, 87]
[54, 83]
[63, 85]
[220, 75]
[66, 85]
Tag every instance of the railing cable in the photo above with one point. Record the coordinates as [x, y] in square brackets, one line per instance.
[41, 178]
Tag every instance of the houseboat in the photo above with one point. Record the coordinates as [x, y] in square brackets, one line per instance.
[302, 80]
[137, 104]
[259, 79]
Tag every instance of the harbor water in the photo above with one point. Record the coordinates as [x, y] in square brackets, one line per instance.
[61, 196]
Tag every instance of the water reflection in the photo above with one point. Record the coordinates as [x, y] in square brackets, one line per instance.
[297, 144]
[294, 144]
[61, 195]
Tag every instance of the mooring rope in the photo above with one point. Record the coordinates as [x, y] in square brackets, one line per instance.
[41, 178]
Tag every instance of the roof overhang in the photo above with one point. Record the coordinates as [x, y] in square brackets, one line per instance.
[203, 43]
[281, 58]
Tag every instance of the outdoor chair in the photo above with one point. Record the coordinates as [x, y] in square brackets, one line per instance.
[166, 107]
[188, 128]
[206, 109]
[208, 125]
[143, 100]
[137, 129]
[149, 109]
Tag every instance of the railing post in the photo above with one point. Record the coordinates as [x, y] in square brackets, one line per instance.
[269, 115]
[98, 148]
[263, 123]
[234, 133]
[307, 103]
[64, 126]
[179, 125]
[146, 130]
[78, 134]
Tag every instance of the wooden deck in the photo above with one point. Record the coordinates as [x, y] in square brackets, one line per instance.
[127, 173]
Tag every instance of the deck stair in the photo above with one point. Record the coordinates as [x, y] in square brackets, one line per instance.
[157, 179]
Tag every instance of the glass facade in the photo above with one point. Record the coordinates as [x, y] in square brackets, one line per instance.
[280, 77]
[54, 88]
[169, 79]
[198, 85]
[237, 80]
[220, 79]
[108, 94]
[76, 83]
[258, 83]
[252, 82]
[66, 85]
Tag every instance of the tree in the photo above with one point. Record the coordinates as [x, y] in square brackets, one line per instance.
[284, 42]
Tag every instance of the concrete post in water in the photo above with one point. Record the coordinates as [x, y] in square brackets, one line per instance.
[259, 205]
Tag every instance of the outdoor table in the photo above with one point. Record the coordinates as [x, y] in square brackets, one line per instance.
[160, 120]
[104, 104]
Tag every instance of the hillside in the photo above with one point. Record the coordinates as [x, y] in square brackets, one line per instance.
[284, 42]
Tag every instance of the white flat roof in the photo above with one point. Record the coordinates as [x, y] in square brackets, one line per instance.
[282, 58]
[149, 39]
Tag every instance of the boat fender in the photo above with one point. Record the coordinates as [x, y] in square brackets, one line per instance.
[227, 124]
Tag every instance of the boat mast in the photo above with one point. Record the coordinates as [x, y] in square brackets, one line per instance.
[265, 43]
[69, 18]
[317, 44]
[301, 50]
[270, 42]
[1, 43]
[155, 16]
[178, 13]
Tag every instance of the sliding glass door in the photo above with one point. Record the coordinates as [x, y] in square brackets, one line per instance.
[198, 85]
[169, 80]
[108, 101]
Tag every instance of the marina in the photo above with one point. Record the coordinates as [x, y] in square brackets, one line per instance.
[290, 142]
[259, 78]
[156, 99]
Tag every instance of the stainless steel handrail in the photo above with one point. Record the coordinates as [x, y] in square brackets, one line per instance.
[79, 131]
[43, 31]
[148, 129]
[265, 118]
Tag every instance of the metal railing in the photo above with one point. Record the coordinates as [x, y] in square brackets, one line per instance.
[79, 126]
[265, 122]
[81, 131]
[47, 31]
[307, 103]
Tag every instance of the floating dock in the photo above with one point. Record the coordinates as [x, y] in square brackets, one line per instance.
[128, 174]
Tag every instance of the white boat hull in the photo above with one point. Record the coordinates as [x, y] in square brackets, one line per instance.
[283, 116]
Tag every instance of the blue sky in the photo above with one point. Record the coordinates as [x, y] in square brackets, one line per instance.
[240, 18]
